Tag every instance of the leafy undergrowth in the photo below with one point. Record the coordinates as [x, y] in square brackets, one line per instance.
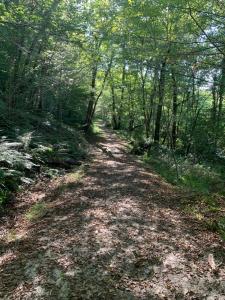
[95, 133]
[200, 177]
[208, 208]
[36, 145]
[203, 181]
[39, 209]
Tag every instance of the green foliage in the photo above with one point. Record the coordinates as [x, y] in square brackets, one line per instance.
[34, 144]
[221, 227]
[3, 197]
[205, 180]
[95, 128]
[200, 178]
[37, 211]
[208, 209]
[194, 176]
[9, 180]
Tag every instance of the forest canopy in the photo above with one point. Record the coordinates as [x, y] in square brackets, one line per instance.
[155, 64]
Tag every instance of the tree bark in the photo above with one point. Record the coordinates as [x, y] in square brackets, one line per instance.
[92, 97]
[175, 105]
[160, 103]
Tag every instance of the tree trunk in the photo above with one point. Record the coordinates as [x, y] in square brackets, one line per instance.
[221, 90]
[160, 103]
[92, 98]
[174, 122]
[114, 115]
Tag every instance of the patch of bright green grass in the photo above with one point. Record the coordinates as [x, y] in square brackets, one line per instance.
[77, 175]
[37, 211]
[195, 177]
[96, 129]
[94, 133]
[162, 167]
[221, 225]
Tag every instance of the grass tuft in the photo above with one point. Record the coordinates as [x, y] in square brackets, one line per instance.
[37, 211]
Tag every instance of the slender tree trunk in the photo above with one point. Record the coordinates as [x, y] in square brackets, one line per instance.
[130, 110]
[174, 122]
[144, 107]
[92, 97]
[215, 101]
[149, 109]
[114, 115]
[160, 103]
[122, 95]
[221, 91]
[102, 87]
[218, 91]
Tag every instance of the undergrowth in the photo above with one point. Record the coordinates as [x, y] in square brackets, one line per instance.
[199, 177]
[204, 180]
[36, 211]
[35, 144]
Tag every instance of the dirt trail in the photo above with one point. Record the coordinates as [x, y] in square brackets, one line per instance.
[116, 233]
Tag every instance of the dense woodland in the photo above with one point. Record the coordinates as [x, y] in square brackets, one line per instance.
[155, 70]
[112, 149]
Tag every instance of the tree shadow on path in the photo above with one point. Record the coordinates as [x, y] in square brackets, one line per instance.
[118, 233]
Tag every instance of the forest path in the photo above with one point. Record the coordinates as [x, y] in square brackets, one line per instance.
[112, 231]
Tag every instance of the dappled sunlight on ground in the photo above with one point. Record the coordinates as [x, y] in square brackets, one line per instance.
[116, 233]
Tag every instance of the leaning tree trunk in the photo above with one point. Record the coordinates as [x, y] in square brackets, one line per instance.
[92, 98]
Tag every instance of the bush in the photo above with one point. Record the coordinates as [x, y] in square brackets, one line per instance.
[33, 144]
[221, 227]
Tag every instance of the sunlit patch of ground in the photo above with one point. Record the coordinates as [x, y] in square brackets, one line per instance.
[112, 230]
